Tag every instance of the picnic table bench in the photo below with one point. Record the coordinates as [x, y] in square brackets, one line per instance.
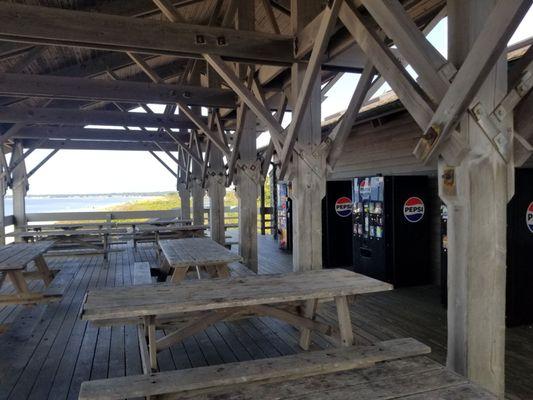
[183, 254]
[97, 240]
[291, 297]
[14, 259]
[393, 369]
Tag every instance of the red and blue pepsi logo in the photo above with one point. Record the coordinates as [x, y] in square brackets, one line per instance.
[414, 209]
[529, 217]
[343, 206]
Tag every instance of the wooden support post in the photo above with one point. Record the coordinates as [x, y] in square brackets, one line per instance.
[19, 187]
[185, 195]
[149, 324]
[274, 203]
[216, 190]
[2, 207]
[247, 177]
[262, 208]
[197, 192]
[308, 187]
[476, 194]
[345, 322]
[309, 311]
[216, 175]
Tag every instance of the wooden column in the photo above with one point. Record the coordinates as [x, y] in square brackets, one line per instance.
[3, 187]
[216, 190]
[19, 187]
[262, 208]
[308, 188]
[247, 178]
[476, 194]
[274, 202]
[198, 193]
[216, 178]
[185, 195]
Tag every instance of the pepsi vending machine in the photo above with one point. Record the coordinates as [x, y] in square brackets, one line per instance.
[284, 216]
[391, 229]
[519, 294]
[337, 225]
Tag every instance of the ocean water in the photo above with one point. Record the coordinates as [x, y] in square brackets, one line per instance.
[71, 203]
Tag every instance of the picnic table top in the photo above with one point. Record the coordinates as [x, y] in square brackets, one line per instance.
[17, 255]
[200, 295]
[196, 251]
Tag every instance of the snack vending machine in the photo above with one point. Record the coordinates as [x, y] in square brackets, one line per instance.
[391, 229]
[284, 216]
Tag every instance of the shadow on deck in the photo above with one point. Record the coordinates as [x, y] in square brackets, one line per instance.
[48, 351]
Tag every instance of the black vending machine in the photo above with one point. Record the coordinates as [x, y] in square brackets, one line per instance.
[519, 307]
[337, 225]
[284, 216]
[391, 229]
[519, 296]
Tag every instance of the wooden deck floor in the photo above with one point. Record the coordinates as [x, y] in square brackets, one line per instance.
[48, 351]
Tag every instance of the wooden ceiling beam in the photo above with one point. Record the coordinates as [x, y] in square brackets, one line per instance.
[73, 132]
[97, 145]
[63, 116]
[54, 87]
[39, 25]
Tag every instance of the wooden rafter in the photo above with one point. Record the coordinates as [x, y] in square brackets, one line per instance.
[197, 120]
[56, 87]
[61, 116]
[329, 19]
[69, 144]
[38, 25]
[164, 164]
[343, 128]
[488, 47]
[41, 163]
[434, 70]
[411, 96]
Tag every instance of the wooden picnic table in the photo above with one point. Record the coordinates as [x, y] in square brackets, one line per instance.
[153, 233]
[82, 237]
[182, 254]
[13, 261]
[291, 297]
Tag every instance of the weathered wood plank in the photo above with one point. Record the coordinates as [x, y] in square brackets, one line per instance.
[60, 116]
[66, 88]
[283, 368]
[32, 24]
[233, 292]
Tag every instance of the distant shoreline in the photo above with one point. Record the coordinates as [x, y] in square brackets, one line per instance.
[128, 194]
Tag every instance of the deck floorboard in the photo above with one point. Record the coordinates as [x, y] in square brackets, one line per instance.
[47, 351]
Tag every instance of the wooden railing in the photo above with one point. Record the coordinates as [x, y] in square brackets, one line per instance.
[231, 218]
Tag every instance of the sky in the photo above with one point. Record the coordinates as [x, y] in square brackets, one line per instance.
[82, 171]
